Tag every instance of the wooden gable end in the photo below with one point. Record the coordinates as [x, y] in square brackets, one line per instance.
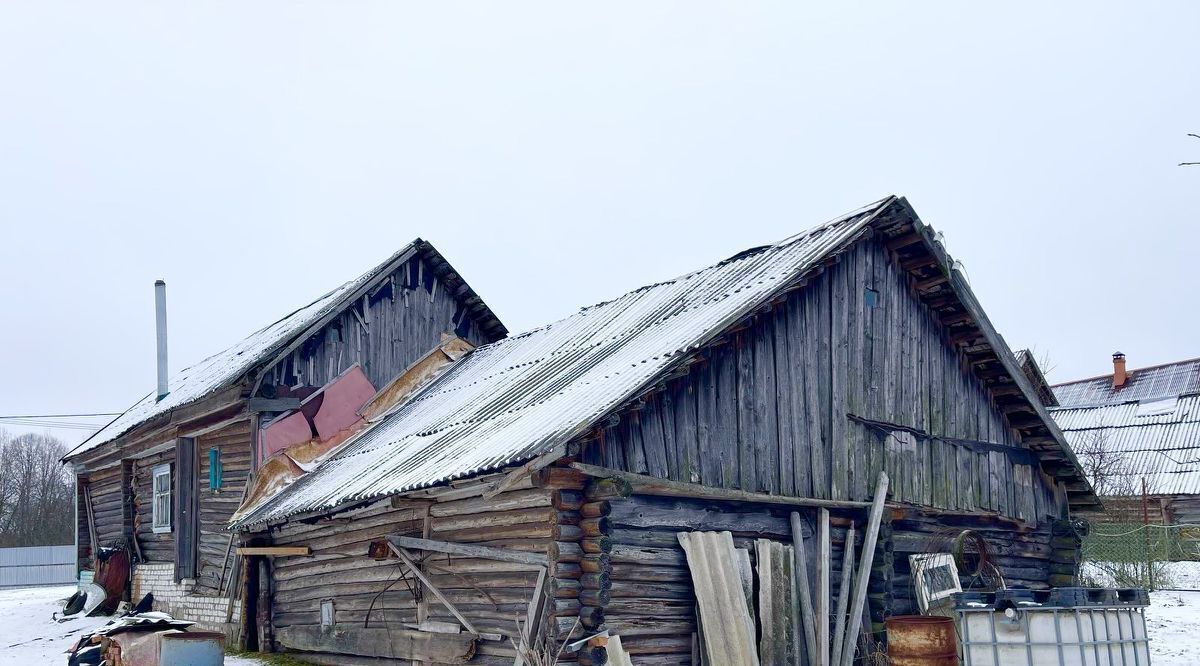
[398, 320]
[848, 375]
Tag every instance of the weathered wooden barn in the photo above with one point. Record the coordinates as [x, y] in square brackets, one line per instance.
[1137, 432]
[542, 479]
[164, 478]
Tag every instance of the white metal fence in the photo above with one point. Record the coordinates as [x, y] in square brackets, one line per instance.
[39, 565]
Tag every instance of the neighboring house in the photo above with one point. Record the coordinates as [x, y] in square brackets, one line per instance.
[1137, 434]
[723, 399]
[165, 476]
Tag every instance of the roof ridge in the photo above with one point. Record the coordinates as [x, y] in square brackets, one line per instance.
[1131, 372]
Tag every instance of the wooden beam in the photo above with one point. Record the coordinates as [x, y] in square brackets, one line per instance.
[273, 404]
[859, 600]
[274, 550]
[519, 474]
[649, 485]
[839, 630]
[800, 573]
[824, 565]
[468, 550]
[390, 642]
[403, 555]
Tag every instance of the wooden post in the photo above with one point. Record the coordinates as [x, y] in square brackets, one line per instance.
[824, 564]
[839, 631]
[801, 575]
[436, 592]
[864, 571]
[91, 524]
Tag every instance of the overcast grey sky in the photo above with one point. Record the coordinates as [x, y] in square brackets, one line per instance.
[254, 155]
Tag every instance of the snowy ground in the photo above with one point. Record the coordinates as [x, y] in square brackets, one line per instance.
[1173, 622]
[29, 634]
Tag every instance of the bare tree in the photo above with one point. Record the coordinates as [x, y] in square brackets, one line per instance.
[36, 491]
[1106, 468]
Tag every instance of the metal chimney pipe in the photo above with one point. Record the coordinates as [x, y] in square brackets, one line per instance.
[160, 325]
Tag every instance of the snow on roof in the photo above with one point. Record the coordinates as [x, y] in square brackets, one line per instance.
[1160, 381]
[222, 369]
[520, 397]
[1148, 439]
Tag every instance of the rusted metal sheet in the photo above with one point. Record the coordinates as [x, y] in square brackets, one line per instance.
[921, 640]
[728, 628]
[515, 399]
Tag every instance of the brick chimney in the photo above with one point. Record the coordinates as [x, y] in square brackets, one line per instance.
[1119, 374]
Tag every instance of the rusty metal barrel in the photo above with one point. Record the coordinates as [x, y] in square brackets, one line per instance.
[921, 640]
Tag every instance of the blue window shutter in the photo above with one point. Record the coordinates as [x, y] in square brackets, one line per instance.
[214, 469]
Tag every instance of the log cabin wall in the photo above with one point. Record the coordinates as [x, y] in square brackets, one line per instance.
[767, 410]
[368, 594]
[646, 594]
[155, 546]
[214, 560]
[110, 508]
[393, 326]
[648, 598]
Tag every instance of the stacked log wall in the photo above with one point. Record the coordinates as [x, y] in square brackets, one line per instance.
[1030, 556]
[651, 601]
[768, 409]
[154, 546]
[110, 509]
[217, 505]
[369, 593]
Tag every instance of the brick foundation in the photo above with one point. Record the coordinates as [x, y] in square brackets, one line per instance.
[180, 601]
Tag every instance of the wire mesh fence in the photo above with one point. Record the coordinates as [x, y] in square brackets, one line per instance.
[1155, 557]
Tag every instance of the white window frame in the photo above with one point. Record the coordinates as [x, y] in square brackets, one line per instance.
[161, 499]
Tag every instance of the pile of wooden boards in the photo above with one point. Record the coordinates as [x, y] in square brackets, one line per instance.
[793, 618]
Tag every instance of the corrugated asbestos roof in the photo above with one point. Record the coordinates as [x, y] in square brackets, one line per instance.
[220, 370]
[1171, 379]
[520, 397]
[1162, 447]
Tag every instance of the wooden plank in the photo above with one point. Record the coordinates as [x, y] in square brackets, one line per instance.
[746, 421]
[648, 485]
[387, 642]
[515, 477]
[274, 550]
[784, 425]
[533, 617]
[839, 627]
[775, 611]
[272, 404]
[803, 425]
[468, 550]
[859, 600]
[764, 419]
[432, 588]
[824, 564]
[686, 434]
[802, 589]
[654, 441]
[839, 463]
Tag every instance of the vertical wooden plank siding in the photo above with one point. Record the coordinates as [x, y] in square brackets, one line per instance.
[400, 323]
[767, 409]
